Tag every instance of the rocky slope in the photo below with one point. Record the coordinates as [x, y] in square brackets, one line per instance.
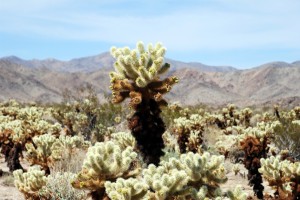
[45, 80]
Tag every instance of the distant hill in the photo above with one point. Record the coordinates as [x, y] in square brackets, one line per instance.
[44, 81]
[176, 65]
[104, 60]
[269, 82]
[86, 64]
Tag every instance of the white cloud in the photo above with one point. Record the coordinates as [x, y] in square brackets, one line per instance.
[222, 25]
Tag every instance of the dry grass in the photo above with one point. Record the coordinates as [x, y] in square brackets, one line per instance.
[59, 186]
[8, 180]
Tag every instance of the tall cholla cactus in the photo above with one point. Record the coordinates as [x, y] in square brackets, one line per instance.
[136, 76]
[254, 142]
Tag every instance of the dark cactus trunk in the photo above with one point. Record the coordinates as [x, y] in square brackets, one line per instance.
[98, 195]
[295, 186]
[147, 127]
[13, 161]
[12, 153]
[255, 178]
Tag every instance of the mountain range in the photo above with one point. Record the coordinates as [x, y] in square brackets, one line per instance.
[45, 80]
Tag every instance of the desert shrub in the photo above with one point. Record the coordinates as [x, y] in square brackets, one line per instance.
[66, 161]
[287, 136]
[63, 171]
[69, 161]
[81, 113]
[171, 112]
[58, 187]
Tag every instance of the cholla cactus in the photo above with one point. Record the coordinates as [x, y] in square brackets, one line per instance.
[123, 139]
[127, 189]
[10, 108]
[246, 115]
[30, 182]
[297, 112]
[283, 176]
[189, 177]
[165, 182]
[18, 125]
[227, 145]
[40, 152]
[32, 113]
[105, 161]
[6, 142]
[202, 170]
[255, 146]
[203, 193]
[254, 150]
[228, 117]
[237, 194]
[136, 76]
[143, 68]
[292, 170]
[189, 133]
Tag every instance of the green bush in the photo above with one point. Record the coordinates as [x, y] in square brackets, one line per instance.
[287, 137]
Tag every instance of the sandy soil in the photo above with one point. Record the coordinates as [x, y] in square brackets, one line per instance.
[8, 192]
[240, 179]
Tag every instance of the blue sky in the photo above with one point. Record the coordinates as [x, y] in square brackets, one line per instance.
[238, 33]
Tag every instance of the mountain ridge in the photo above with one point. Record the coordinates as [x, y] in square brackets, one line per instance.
[93, 63]
[44, 81]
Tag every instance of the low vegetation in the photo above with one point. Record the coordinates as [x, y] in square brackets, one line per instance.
[81, 148]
